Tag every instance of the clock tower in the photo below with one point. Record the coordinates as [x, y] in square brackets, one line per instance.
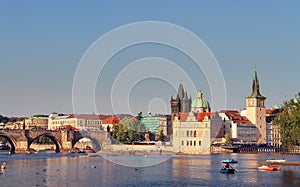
[256, 111]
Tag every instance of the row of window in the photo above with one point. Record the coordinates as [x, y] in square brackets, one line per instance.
[190, 143]
[189, 133]
[88, 122]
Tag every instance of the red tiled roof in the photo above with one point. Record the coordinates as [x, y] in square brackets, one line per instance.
[111, 120]
[272, 111]
[183, 116]
[236, 117]
[203, 114]
[200, 117]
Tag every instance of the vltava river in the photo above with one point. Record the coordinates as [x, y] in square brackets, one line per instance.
[201, 170]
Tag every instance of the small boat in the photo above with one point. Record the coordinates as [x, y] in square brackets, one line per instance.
[230, 161]
[275, 161]
[228, 170]
[269, 168]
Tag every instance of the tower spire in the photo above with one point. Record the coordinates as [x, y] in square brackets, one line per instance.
[255, 87]
[180, 93]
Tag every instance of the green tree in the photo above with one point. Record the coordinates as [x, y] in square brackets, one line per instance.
[128, 130]
[43, 140]
[161, 136]
[288, 121]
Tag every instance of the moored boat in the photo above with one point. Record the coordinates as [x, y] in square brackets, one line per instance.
[269, 168]
[275, 161]
[228, 170]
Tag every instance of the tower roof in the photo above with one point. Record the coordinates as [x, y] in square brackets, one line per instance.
[255, 88]
[200, 102]
[180, 93]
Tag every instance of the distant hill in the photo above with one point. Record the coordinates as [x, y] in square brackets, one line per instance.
[5, 119]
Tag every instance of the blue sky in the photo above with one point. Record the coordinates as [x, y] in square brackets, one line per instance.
[42, 43]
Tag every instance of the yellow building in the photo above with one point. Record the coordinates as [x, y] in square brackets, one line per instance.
[37, 122]
[256, 111]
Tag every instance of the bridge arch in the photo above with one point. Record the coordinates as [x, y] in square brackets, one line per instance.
[11, 141]
[99, 138]
[51, 137]
[95, 142]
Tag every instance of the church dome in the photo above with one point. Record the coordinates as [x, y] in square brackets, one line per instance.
[200, 102]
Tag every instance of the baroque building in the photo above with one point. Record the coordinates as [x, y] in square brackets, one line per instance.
[195, 128]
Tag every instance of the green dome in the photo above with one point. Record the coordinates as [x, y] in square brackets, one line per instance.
[200, 102]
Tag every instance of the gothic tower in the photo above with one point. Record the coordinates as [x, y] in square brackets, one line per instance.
[256, 111]
[186, 104]
[182, 104]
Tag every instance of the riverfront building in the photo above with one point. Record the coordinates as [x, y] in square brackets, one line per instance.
[156, 124]
[249, 125]
[82, 122]
[37, 122]
[239, 127]
[108, 123]
[252, 125]
[196, 130]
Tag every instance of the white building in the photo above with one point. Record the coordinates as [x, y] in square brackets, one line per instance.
[239, 127]
[81, 122]
[193, 133]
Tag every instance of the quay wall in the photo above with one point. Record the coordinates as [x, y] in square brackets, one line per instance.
[146, 148]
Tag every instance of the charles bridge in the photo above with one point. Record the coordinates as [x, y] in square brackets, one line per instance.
[20, 140]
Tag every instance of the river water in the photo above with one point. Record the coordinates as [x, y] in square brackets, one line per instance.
[193, 170]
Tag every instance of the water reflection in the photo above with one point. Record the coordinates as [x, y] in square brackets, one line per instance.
[191, 166]
[199, 170]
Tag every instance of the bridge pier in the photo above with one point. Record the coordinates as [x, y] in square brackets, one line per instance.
[21, 147]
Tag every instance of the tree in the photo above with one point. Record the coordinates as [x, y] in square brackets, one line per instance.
[161, 136]
[288, 121]
[227, 138]
[129, 130]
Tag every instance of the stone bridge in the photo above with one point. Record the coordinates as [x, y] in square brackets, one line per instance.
[20, 140]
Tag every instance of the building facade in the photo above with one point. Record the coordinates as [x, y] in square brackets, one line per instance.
[155, 124]
[194, 134]
[37, 122]
[196, 128]
[108, 123]
[81, 122]
[238, 126]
